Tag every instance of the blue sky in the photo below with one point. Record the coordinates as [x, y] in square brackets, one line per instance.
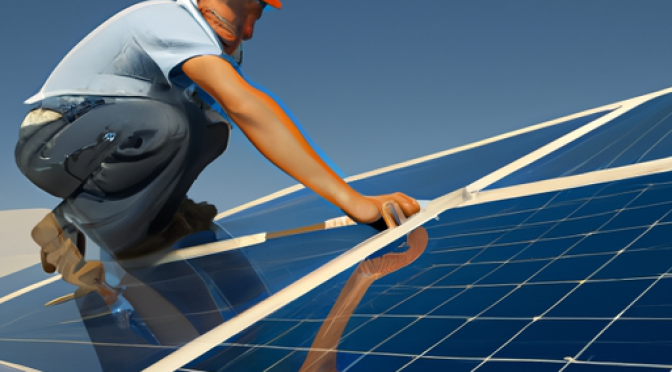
[377, 82]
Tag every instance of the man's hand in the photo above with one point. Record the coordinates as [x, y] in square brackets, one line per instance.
[368, 209]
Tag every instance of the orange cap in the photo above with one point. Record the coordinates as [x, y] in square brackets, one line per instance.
[274, 3]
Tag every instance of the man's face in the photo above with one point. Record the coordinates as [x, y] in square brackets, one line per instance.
[232, 23]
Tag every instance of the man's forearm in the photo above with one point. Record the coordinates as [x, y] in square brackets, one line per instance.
[277, 138]
[274, 134]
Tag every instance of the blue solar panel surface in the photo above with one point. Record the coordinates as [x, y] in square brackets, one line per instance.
[640, 135]
[512, 285]
[571, 280]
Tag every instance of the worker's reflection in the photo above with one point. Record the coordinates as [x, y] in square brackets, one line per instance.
[323, 351]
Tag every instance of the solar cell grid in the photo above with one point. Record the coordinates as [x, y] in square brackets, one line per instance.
[518, 305]
[548, 248]
[550, 296]
[655, 304]
[419, 335]
[605, 241]
[635, 341]
[500, 252]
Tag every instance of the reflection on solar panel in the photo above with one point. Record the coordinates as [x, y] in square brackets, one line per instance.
[552, 252]
[520, 283]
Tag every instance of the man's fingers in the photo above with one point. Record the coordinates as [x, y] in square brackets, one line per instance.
[409, 205]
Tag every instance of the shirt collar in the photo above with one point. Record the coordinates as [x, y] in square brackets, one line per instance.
[192, 7]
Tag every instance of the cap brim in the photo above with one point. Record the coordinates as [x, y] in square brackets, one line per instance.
[274, 3]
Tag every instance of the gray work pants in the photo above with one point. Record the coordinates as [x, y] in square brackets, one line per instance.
[122, 165]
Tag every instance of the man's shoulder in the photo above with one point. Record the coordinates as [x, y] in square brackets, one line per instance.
[142, 43]
[154, 24]
[164, 18]
[145, 12]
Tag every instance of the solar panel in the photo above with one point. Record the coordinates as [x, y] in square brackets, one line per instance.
[548, 250]
[553, 285]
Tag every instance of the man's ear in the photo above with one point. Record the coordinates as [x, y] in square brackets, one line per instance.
[223, 29]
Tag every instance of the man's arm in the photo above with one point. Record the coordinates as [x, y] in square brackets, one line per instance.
[273, 133]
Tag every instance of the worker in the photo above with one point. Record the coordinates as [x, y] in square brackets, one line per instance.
[125, 124]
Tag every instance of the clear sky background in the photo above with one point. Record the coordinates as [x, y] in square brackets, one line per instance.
[377, 82]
